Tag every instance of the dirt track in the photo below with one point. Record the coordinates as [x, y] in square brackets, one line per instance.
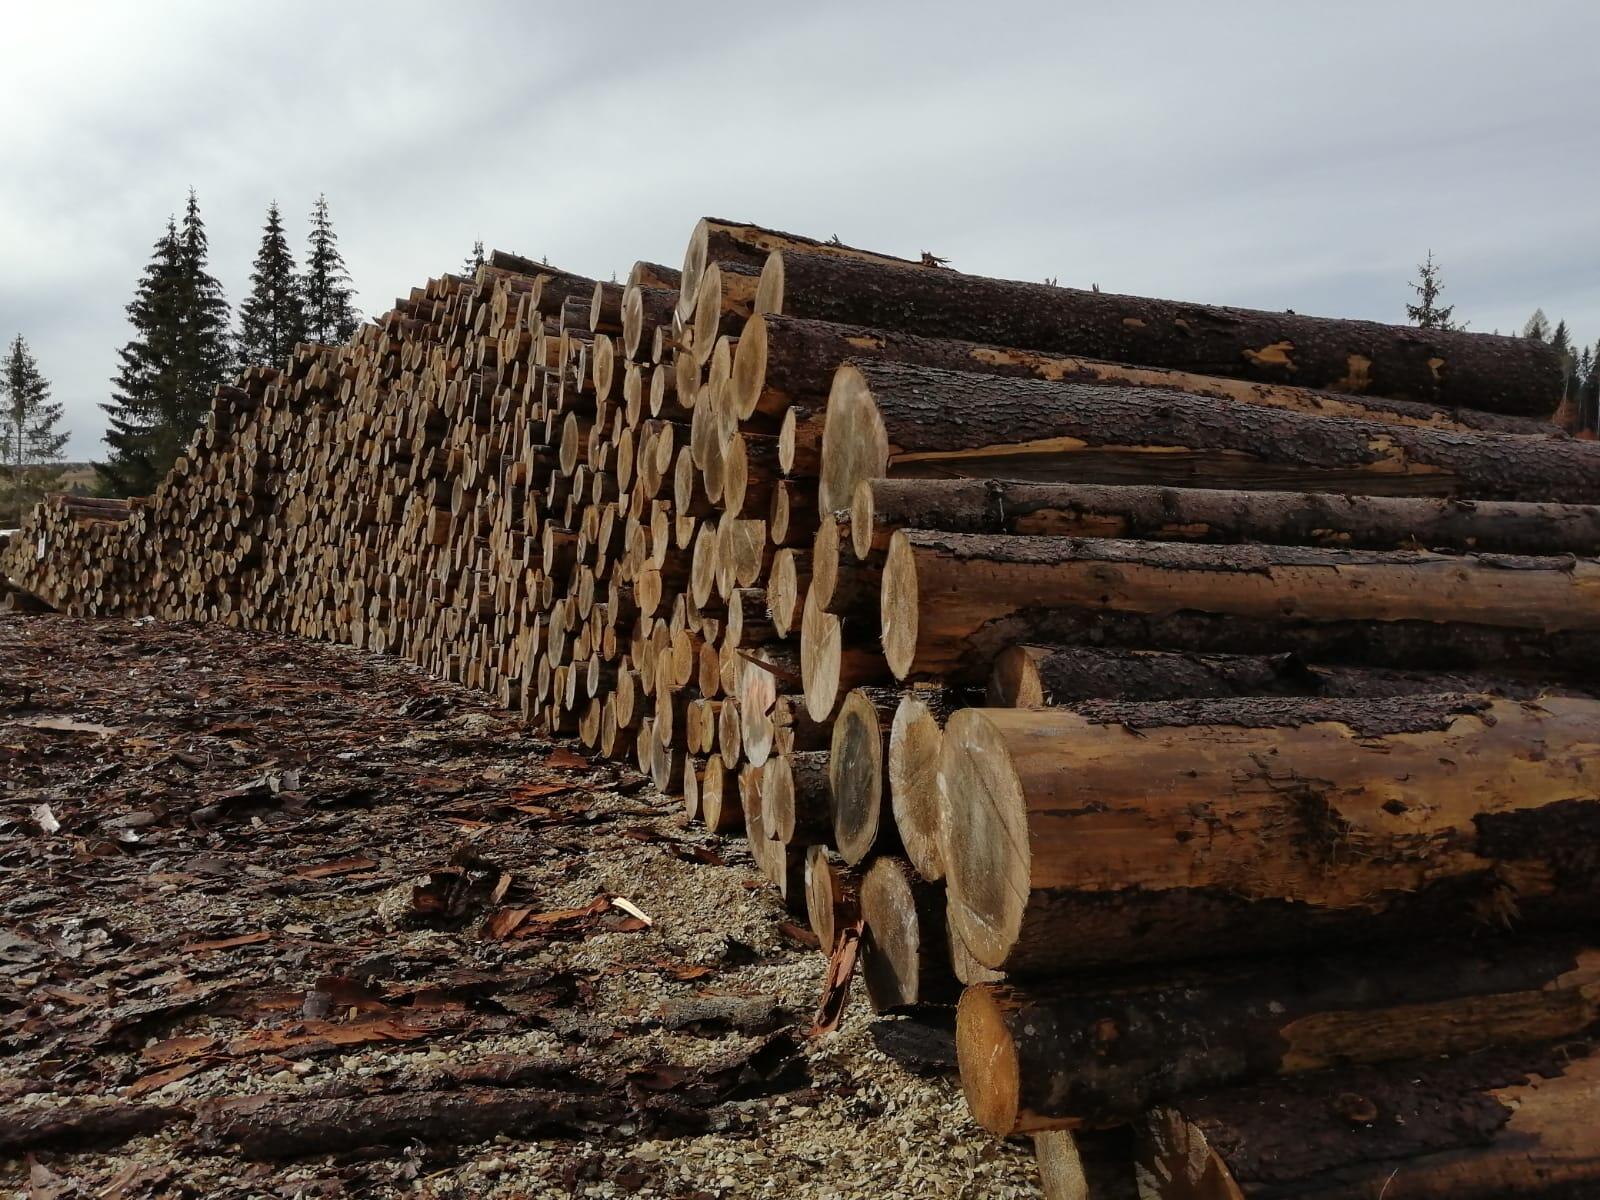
[279, 919]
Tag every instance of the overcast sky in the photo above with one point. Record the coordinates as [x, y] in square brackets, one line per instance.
[1277, 155]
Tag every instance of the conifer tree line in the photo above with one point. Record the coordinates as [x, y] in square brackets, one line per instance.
[1582, 360]
[33, 444]
[183, 344]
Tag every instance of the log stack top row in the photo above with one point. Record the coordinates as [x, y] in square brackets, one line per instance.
[1202, 697]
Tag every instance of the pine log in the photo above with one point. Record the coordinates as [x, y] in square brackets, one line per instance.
[950, 601]
[1065, 1053]
[1501, 1123]
[796, 801]
[832, 896]
[1037, 676]
[1510, 375]
[889, 419]
[1086, 1165]
[913, 771]
[1148, 832]
[904, 954]
[881, 506]
[862, 824]
[787, 360]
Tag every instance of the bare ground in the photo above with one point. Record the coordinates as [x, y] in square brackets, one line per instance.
[282, 919]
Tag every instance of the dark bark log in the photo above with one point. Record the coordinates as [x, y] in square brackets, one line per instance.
[1486, 1126]
[785, 360]
[79, 1126]
[1463, 370]
[880, 506]
[1120, 833]
[1039, 676]
[951, 601]
[274, 1126]
[1064, 1053]
[895, 420]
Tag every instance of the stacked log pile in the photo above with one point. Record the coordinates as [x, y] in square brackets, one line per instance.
[1202, 690]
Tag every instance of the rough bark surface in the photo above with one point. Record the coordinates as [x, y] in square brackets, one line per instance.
[1467, 370]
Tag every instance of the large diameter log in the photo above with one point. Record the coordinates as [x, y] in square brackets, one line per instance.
[1036, 676]
[1060, 1054]
[1463, 370]
[715, 240]
[1148, 832]
[905, 959]
[899, 420]
[1515, 1122]
[782, 361]
[948, 598]
[880, 506]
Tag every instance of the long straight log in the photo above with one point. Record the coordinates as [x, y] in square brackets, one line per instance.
[950, 601]
[782, 361]
[1146, 832]
[1501, 1123]
[1059, 1054]
[1036, 676]
[1465, 370]
[880, 506]
[898, 420]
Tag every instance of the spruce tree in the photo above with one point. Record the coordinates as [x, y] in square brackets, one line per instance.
[33, 444]
[272, 319]
[1428, 312]
[1538, 326]
[179, 352]
[470, 264]
[329, 299]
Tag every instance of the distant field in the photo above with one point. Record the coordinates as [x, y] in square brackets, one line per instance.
[78, 475]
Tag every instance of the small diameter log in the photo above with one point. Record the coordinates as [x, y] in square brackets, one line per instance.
[915, 738]
[831, 896]
[1146, 832]
[1518, 1122]
[787, 360]
[904, 956]
[1090, 1164]
[862, 821]
[966, 968]
[896, 420]
[1458, 370]
[719, 797]
[981, 506]
[1060, 1054]
[796, 801]
[836, 656]
[949, 598]
[1038, 676]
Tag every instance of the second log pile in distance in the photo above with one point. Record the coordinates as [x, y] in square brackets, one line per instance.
[1205, 690]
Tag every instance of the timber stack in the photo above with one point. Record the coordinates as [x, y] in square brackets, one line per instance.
[1200, 699]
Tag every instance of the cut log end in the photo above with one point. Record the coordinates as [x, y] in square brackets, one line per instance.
[987, 1057]
[855, 773]
[986, 844]
[898, 607]
[855, 444]
[915, 740]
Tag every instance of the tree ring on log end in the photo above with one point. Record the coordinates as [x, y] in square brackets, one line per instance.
[694, 265]
[769, 288]
[855, 776]
[821, 656]
[897, 605]
[915, 740]
[987, 853]
[987, 1057]
[749, 367]
[855, 445]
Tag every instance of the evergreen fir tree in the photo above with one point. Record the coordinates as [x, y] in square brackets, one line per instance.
[470, 264]
[33, 444]
[179, 352]
[1538, 326]
[329, 299]
[1428, 313]
[272, 319]
[1560, 339]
